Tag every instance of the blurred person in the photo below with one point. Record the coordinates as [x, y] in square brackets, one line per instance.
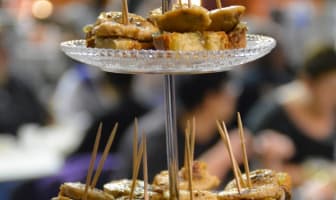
[262, 76]
[301, 125]
[126, 107]
[81, 94]
[18, 103]
[207, 98]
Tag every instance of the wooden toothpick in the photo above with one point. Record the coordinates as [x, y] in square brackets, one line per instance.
[193, 135]
[189, 170]
[187, 131]
[137, 167]
[219, 3]
[145, 166]
[180, 3]
[104, 156]
[92, 161]
[125, 12]
[135, 144]
[242, 140]
[226, 139]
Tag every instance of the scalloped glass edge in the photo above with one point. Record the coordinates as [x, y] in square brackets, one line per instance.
[168, 62]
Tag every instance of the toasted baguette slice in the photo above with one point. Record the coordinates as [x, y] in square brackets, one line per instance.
[121, 189]
[122, 44]
[193, 41]
[75, 191]
[109, 24]
[260, 192]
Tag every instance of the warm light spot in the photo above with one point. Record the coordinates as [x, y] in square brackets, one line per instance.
[42, 9]
[193, 2]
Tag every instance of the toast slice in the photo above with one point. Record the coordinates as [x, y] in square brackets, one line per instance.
[121, 43]
[199, 41]
[75, 191]
[192, 41]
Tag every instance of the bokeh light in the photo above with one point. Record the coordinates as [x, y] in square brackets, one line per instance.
[42, 9]
[194, 2]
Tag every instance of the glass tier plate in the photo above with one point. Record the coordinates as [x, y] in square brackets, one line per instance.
[168, 62]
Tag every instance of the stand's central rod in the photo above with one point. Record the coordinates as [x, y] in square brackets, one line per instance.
[166, 5]
[171, 133]
[171, 136]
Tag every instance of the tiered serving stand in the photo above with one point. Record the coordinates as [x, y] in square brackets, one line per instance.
[169, 64]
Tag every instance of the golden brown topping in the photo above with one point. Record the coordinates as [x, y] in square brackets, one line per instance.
[121, 189]
[183, 19]
[75, 191]
[263, 177]
[110, 25]
[202, 180]
[225, 19]
[261, 192]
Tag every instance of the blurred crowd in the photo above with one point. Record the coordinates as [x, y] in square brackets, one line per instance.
[51, 106]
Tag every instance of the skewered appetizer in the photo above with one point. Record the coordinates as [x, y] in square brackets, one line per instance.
[181, 18]
[75, 191]
[261, 184]
[193, 28]
[135, 189]
[262, 192]
[87, 191]
[195, 182]
[186, 27]
[267, 184]
[111, 30]
[122, 189]
[202, 180]
[266, 176]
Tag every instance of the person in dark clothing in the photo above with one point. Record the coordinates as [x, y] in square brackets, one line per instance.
[18, 103]
[207, 98]
[124, 113]
[303, 120]
[264, 75]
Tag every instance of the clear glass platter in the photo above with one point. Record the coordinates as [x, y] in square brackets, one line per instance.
[168, 62]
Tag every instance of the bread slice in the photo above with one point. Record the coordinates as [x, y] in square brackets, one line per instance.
[199, 41]
[121, 43]
[192, 41]
[75, 191]
[261, 192]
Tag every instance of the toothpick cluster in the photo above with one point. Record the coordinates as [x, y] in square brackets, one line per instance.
[226, 139]
[93, 184]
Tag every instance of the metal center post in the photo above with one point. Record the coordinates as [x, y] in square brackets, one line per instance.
[171, 133]
[171, 136]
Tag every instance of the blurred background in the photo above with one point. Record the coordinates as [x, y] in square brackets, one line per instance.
[50, 105]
